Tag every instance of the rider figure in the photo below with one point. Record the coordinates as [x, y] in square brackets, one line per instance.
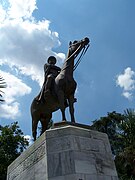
[50, 72]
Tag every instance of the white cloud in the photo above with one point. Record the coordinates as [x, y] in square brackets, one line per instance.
[25, 42]
[21, 8]
[127, 95]
[25, 45]
[9, 110]
[2, 14]
[15, 88]
[127, 82]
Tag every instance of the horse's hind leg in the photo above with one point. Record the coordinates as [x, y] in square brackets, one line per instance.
[71, 107]
[34, 127]
[61, 99]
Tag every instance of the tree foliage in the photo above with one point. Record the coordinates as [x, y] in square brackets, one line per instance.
[125, 160]
[12, 144]
[120, 129]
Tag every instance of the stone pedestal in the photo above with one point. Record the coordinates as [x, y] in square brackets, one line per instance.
[66, 152]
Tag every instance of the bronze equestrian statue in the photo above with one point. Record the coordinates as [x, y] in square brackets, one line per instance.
[61, 93]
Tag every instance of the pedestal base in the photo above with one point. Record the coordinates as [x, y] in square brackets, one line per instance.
[66, 152]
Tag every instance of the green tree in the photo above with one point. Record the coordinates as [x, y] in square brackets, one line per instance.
[128, 127]
[12, 144]
[2, 85]
[125, 160]
[120, 129]
[110, 125]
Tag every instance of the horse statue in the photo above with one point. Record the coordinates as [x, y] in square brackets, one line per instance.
[64, 87]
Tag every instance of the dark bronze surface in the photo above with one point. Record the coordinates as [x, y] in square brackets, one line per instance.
[60, 94]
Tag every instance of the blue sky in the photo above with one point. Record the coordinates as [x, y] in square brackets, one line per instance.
[32, 30]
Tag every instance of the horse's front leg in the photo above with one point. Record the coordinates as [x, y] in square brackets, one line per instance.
[71, 107]
[62, 105]
[45, 121]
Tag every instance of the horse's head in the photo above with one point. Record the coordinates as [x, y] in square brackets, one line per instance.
[75, 48]
[85, 41]
[78, 45]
